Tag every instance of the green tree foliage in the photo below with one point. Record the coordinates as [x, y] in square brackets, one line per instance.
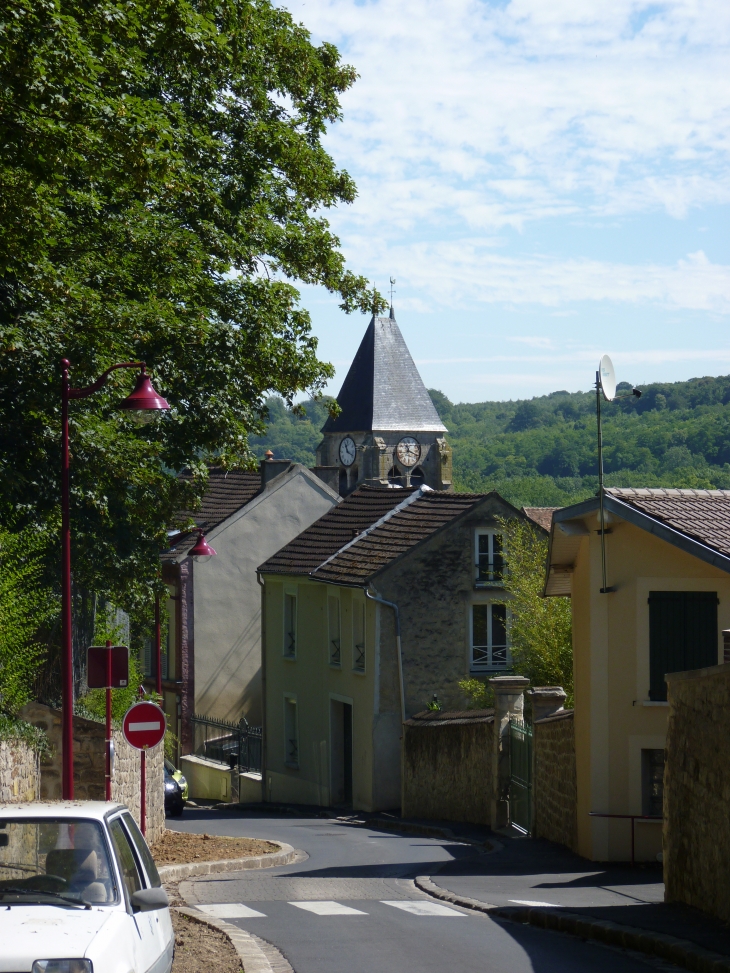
[539, 628]
[162, 181]
[26, 605]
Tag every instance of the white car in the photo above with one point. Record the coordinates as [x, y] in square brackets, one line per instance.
[79, 892]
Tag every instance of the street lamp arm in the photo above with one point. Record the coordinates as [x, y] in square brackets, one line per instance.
[101, 381]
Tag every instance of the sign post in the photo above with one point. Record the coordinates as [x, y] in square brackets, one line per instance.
[144, 728]
[107, 667]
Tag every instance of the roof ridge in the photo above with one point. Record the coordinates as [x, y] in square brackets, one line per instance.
[672, 492]
[416, 495]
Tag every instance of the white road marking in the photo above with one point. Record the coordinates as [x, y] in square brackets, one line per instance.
[528, 902]
[328, 908]
[230, 910]
[423, 908]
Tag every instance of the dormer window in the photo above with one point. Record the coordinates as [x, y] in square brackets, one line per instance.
[489, 568]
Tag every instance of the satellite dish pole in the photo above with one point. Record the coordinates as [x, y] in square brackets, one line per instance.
[606, 385]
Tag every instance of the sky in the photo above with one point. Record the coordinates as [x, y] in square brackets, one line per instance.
[546, 180]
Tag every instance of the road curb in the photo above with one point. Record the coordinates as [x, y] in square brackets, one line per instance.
[285, 856]
[682, 952]
[256, 955]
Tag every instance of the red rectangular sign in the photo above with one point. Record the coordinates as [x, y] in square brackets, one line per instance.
[96, 666]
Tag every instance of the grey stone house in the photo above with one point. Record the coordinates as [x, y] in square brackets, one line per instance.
[390, 597]
[212, 653]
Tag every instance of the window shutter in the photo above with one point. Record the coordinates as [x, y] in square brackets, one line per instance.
[682, 635]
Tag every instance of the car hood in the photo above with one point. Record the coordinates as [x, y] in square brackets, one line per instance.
[31, 932]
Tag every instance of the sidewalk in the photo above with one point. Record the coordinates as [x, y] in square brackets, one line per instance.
[526, 879]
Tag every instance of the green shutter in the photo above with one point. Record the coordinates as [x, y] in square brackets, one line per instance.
[682, 634]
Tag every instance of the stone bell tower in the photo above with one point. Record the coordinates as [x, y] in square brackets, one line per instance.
[388, 432]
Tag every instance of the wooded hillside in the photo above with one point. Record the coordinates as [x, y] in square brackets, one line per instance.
[542, 451]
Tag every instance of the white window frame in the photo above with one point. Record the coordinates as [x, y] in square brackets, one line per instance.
[491, 532]
[334, 652]
[359, 608]
[488, 665]
[291, 704]
[290, 591]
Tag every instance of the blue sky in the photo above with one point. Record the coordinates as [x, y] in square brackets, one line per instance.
[546, 181]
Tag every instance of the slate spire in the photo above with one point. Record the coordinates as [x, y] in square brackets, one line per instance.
[383, 391]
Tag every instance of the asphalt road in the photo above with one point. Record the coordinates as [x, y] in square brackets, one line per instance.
[352, 907]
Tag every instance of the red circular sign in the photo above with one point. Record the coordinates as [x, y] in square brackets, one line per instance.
[144, 725]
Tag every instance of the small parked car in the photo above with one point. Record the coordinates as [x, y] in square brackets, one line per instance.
[174, 803]
[79, 892]
[179, 777]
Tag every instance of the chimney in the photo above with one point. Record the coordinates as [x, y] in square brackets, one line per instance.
[271, 467]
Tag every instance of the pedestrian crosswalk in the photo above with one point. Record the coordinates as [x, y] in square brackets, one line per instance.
[321, 907]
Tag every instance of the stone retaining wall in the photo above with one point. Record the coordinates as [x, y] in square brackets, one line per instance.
[554, 779]
[20, 777]
[90, 767]
[697, 790]
[447, 766]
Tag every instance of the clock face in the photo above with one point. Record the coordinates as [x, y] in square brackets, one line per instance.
[347, 451]
[408, 451]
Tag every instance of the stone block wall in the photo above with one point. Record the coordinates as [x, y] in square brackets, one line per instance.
[90, 767]
[554, 779]
[697, 790]
[20, 776]
[447, 766]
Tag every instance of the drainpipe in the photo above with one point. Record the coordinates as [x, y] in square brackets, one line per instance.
[392, 604]
[264, 735]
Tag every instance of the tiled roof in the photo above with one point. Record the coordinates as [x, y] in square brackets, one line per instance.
[436, 718]
[408, 526]
[366, 532]
[703, 515]
[542, 516]
[227, 492]
[383, 390]
[334, 529]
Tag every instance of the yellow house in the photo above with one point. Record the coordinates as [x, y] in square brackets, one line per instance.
[390, 597]
[666, 601]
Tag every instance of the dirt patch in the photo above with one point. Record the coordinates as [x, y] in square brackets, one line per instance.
[181, 848]
[200, 948]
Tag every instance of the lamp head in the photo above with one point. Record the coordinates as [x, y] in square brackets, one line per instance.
[201, 548]
[143, 402]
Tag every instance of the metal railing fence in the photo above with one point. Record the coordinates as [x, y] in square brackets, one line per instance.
[232, 744]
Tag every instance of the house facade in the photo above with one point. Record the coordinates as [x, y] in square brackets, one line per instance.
[388, 599]
[668, 600]
[212, 652]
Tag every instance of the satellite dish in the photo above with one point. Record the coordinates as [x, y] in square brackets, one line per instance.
[607, 378]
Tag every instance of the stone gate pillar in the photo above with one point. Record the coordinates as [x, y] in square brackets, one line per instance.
[509, 705]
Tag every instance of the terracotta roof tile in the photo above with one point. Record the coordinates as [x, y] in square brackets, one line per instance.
[542, 516]
[703, 515]
[227, 492]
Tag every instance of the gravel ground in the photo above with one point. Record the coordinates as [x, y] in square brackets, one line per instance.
[176, 847]
[200, 948]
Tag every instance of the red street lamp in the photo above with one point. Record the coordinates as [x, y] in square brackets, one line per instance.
[201, 547]
[143, 397]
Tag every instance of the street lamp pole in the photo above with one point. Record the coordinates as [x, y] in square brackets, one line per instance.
[143, 397]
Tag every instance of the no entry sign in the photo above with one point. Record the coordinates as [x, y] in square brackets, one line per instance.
[144, 725]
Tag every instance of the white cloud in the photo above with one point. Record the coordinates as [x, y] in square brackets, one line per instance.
[495, 115]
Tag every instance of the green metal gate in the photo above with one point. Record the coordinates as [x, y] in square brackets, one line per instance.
[520, 776]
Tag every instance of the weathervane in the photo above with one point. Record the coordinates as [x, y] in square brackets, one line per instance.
[392, 289]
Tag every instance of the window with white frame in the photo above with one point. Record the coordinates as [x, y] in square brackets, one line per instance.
[489, 558]
[334, 635]
[290, 625]
[489, 637]
[291, 732]
[358, 636]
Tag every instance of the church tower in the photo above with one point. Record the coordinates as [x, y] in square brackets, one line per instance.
[388, 432]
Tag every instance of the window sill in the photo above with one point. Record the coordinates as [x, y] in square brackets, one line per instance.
[358, 672]
[655, 702]
[289, 658]
[291, 766]
[336, 665]
[489, 586]
[501, 671]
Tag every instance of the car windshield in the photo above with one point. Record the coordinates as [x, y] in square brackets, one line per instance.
[47, 859]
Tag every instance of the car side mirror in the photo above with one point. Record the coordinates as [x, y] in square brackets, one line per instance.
[148, 900]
